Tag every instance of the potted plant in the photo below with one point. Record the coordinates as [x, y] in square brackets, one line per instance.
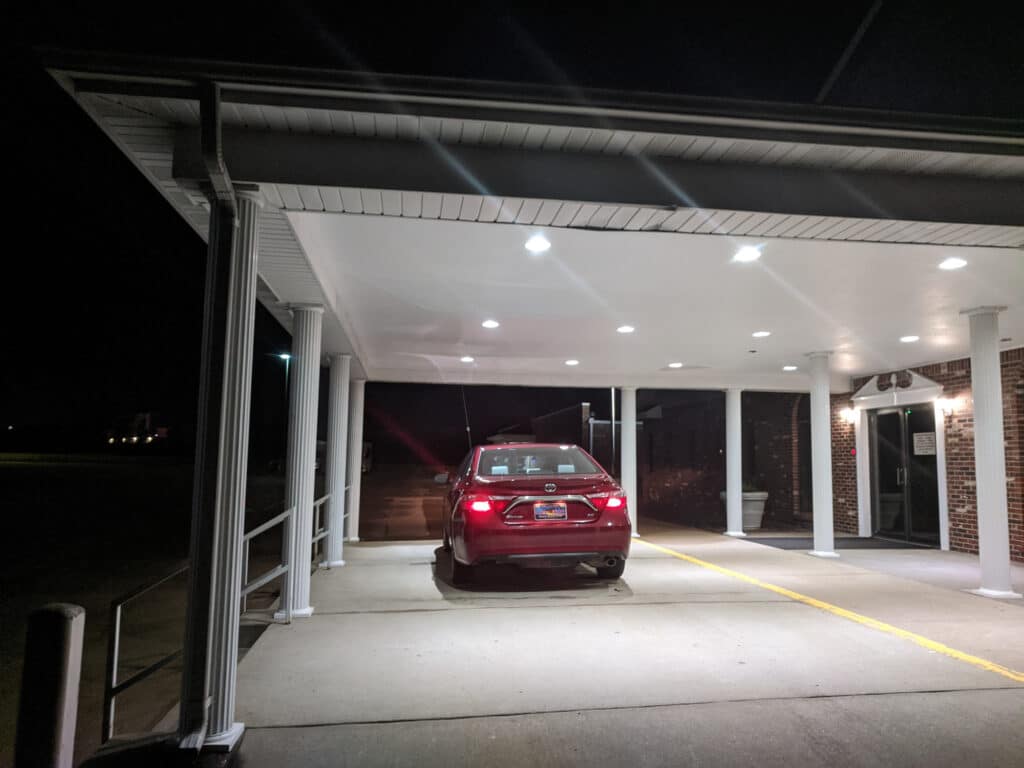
[753, 506]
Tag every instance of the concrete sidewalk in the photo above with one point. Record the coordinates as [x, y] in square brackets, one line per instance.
[666, 662]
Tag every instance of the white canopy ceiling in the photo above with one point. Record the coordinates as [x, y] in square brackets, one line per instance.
[413, 294]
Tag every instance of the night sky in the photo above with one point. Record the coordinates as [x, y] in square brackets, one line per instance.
[103, 281]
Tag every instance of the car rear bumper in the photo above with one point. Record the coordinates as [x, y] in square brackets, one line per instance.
[591, 542]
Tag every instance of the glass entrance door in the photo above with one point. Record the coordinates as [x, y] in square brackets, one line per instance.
[905, 496]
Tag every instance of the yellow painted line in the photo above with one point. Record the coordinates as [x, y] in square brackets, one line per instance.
[866, 621]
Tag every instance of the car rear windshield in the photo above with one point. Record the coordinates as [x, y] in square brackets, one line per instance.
[542, 460]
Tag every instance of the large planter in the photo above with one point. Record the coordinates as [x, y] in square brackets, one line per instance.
[753, 508]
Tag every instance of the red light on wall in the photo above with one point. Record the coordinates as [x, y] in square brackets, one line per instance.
[853, 451]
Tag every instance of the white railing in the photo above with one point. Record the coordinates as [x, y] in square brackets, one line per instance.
[321, 529]
[284, 568]
[111, 686]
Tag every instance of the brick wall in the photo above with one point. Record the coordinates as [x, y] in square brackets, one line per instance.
[955, 378]
[844, 469]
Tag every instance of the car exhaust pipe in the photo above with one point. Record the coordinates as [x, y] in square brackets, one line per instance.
[611, 562]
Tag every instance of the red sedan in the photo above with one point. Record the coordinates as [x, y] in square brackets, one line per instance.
[534, 504]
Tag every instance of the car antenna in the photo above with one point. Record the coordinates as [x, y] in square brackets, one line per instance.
[465, 412]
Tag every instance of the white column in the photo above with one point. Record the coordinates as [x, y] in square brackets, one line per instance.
[628, 443]
[821, 456]
[989, 454]
[337, 451]
[734, 463]
[229, 525]
[301, 468]
[355, 455]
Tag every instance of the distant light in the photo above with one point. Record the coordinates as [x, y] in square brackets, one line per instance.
[124, 439]
[466, 359]
[909, 339]
[10, 427]
[572, 362]
[537, 244]
[789, 367]
[625, 329]
[747, 254]
[490, 323]
[849, 415]
[949, 405]
[761, 334]
[135, 438]
[953, 262]
[675, 365]
[285, 356]
[110, 440]
[149, 438]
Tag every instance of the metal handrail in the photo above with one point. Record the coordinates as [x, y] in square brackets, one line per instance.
[284, 568]
[111, 686]
[321, 529]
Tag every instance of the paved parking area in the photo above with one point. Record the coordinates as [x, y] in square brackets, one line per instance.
[708, 651]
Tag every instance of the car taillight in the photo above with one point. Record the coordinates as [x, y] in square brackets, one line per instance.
[603, 501]
[482, 505]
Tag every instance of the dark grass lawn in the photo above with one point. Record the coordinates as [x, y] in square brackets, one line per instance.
[87, 531]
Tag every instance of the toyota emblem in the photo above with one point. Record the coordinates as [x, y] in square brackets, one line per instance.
[550, 487]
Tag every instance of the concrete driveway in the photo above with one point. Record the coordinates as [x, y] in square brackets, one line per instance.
[709, 651]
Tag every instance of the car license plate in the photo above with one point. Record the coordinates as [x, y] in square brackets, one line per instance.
[550, 510]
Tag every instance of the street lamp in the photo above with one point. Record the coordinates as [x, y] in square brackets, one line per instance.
[287, 362]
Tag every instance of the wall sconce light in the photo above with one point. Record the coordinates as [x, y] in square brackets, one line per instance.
[850, 415]
[949, 405]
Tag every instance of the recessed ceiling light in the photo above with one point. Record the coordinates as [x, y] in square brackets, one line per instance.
[466, 359]
[572, 362]
[625, 329]
[537, 244]
[675, 365]
[490, 323]
[789, 367]
[953, 262]
[761, 334]
[909, 339]
[747, 254]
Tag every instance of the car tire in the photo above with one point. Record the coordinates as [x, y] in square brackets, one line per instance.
[612, 571]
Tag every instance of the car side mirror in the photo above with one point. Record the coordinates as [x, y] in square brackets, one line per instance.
[442, 478]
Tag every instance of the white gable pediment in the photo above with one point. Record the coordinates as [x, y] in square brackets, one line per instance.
[899, 388]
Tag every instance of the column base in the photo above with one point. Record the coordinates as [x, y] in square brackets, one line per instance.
[332, 563]
[998, 593]
[298, 613]
[737, 534]
[354, 539]
[227, 741]
[820, 553]
[635, 534]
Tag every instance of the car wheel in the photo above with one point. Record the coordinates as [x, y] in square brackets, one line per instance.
[612, 571]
